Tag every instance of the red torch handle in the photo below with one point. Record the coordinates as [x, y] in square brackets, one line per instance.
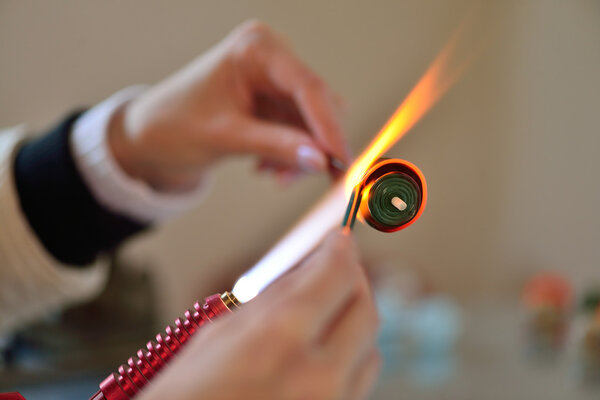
[130, 378]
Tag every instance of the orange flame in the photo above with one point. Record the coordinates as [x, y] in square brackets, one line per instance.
[429, 89]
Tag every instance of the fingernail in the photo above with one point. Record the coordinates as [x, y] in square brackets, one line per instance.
[310, 159]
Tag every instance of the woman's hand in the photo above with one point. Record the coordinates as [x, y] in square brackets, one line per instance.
[249, 94]
[311, 335]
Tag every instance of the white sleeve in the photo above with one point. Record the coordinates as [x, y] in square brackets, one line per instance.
[109, 184]
[32, 282]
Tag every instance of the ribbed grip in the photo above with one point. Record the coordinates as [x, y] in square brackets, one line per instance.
[130, 378]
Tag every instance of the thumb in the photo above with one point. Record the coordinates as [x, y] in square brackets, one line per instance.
[280, 144]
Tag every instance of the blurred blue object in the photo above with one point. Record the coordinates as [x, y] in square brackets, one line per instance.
[418, 337]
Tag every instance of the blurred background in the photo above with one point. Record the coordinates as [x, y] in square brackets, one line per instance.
[510, 154]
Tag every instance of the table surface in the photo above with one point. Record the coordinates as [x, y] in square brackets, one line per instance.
[491, 361]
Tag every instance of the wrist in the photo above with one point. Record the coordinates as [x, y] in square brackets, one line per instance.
[113, 162]
[140, 163]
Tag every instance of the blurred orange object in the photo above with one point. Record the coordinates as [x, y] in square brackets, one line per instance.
[547, 298]
[548, 290]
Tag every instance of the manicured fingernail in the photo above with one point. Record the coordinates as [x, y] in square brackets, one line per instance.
[310, 159]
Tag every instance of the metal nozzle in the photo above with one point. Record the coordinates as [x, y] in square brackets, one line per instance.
[230, 300]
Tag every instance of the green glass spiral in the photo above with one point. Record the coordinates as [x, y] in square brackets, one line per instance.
[384, 190]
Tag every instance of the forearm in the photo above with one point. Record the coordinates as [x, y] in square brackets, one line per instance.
[68, 220]
[64, 201]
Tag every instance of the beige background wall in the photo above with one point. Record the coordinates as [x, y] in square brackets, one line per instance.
[511, 153]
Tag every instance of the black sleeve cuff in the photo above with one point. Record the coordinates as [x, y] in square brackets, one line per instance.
[66, 217]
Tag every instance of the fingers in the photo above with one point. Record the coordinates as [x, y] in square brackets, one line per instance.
[322, 286]
[353, 334]
[277, 144]
[321, 325]
[364, 376]
[271, 66]
[278, 109]
[313, 98]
